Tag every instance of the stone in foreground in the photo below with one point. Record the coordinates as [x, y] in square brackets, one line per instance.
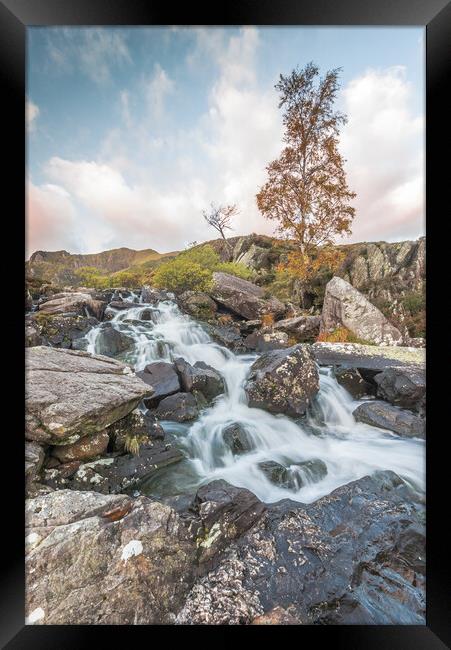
[283, 381]
[71, 394]
[93, 559]
[344, 306]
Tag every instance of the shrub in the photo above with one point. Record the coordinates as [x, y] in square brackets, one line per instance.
[193, 270]
[182, 275]
[341, 335]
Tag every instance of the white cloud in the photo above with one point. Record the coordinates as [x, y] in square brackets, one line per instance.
[51, 218]
[157, 89]
[31, 115]
[383, 144]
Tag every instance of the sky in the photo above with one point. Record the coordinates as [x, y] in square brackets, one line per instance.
[133, 132]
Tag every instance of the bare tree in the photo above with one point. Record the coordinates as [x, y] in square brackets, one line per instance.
[220, 218]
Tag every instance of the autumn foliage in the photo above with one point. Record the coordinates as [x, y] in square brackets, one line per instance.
[306, 192]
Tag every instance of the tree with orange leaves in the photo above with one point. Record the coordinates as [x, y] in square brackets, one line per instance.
[306, 191]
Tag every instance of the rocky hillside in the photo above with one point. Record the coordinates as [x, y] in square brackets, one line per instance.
[390, 275]
[59, 266]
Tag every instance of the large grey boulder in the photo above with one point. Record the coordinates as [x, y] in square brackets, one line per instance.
[344, 306]
[242, 297]
[73, 302]
[386, 416]
[100, 559]
[283, 381]
[71, 394]
[403, 386]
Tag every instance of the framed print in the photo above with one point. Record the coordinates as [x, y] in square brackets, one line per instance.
[229, 345]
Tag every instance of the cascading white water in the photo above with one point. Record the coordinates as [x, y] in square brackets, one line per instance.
[329, 432]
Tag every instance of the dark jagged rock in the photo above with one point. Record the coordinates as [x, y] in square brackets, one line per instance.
[356, 556]
[111, 341]
[401, 386]
[385, 416]
[181, 407]
[304, 329]
[136, 424]
[283, 381]
[114, 473]
[276, 616]
[224, 512]
[34, 459]
[351, 379]
[162, 377]
[57, 331]
[237, 438]
[229, 336]
[200, 377]
[278, 474]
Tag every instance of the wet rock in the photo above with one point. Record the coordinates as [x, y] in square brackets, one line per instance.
[85, 448]
[146, 314]
[354, 556]
[264, 341]
[71, 394]
[111, 341]
[81, 304]
[228, 336]
[237, 438]
[276, 616]
[344, 306]
[224, 512]
[283, 381]
[278, 474]
[142, 427]
[200, 377]
[352, 380]
[56, 330]
[386, 416]
[114, 473]
[162, 378]
[301, 328]
[199, 305]
[181, 407]
[309, 471]
[94, 559]
[120, 305]
[242, 297]
[403, 386]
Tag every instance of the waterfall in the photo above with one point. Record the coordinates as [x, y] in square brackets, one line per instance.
[328, 434]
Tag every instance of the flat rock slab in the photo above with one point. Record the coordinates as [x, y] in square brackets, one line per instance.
[385, 416]
[354, 355]
[71, 394]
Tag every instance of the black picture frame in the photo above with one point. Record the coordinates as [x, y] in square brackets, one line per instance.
[15, 17]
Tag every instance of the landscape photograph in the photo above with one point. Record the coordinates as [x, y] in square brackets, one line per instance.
[225, 326]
